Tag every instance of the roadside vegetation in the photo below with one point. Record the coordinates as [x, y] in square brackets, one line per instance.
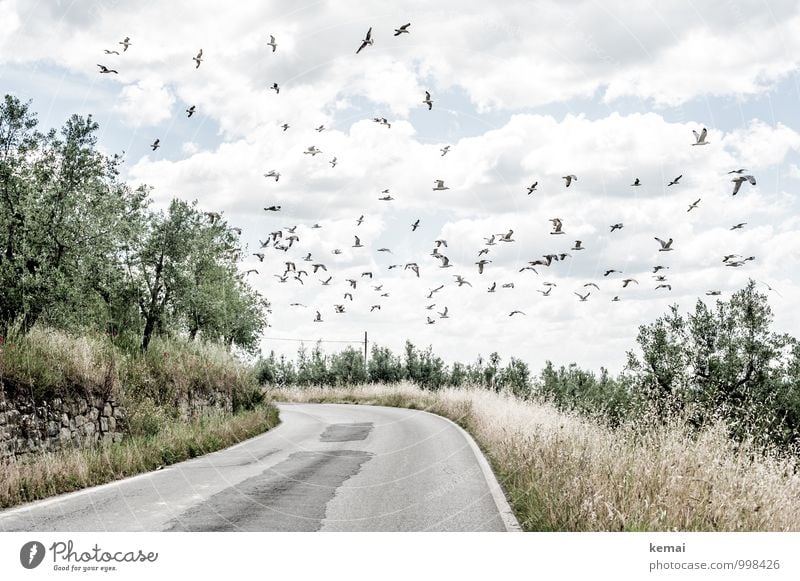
[103, 296]
[700, 431]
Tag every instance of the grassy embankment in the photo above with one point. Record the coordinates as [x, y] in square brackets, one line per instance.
[563, 472]
[50, 364]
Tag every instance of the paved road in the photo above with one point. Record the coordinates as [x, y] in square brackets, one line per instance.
[326, 467]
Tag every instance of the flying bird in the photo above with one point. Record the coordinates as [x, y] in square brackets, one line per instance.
[198, 59]
[570, 178]
[440, 186]
[481, 264]
[333, 162]
[357, 243]
[126, 42]
[461, 281]
[582, 297]
[272, 43]
[273, 209]
[367, 41]
[578, 246]
[190, 111]
[700, 138]
[636, 182]
[666, 286]
[402, 30]
[740, 180]
[444, 150]
[617, 226]
[414, 226]
[427, 101]
[436, 290]
[556, 226]
[738, 226]
[512, 313]
[675, 181]
[532, 188]
[627, 281]
[105, 69]
[312, 150]
[277, 90]
[155, 145]
[272, 174]
[116, 52]
[665, 246]
[693, 205]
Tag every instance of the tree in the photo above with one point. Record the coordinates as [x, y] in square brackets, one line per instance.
[62, 215]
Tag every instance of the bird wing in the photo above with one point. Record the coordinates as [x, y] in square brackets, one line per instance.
[363, 44]
[660, 241]
[736, 186]
[703, 134]
[751, 179]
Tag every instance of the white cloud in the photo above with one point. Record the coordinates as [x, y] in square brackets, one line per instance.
[145, 103]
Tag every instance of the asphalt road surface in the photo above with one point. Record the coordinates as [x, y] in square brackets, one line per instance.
[326, 467]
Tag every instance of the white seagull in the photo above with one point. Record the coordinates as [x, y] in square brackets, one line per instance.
[700, 138]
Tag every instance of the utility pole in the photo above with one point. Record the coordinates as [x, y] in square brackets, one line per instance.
[365, 350]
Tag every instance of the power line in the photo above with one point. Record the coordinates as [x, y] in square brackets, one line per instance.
[311, 340]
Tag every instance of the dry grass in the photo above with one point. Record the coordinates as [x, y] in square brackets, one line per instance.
[59, 472]
[565, 473]
[46, 362]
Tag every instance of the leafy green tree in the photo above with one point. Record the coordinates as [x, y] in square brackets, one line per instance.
[63, 215]
[384, 366]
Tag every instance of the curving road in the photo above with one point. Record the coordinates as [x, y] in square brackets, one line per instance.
[326, 467]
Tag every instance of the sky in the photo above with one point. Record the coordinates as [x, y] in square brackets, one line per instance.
[523, 91]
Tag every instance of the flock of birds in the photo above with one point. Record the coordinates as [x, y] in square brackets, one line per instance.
[285, 239]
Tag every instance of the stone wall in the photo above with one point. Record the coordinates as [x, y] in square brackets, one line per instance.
[77, 421]
[28, 427]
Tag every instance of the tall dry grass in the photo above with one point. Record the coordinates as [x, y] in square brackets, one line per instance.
[563, 472]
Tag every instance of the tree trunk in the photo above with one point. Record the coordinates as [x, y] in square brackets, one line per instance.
[151, 316]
